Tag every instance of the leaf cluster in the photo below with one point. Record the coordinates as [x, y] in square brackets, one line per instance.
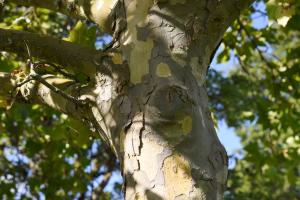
[260, 98]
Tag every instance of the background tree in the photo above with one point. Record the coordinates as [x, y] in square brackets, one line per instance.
[46, 153]
[260, 98]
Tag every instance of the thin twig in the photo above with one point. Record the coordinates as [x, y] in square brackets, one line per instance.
[57, 69]
[55, 89]
[24, 82]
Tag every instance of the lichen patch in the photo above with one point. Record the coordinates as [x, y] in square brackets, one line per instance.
[140, 50]
[163, 70]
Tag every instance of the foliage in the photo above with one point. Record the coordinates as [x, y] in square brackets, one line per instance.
[82, 34]
[45, 153]
[260, 98]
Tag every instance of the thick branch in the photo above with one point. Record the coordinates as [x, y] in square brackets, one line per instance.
[61, 94]
[71, 56]
[77, 10]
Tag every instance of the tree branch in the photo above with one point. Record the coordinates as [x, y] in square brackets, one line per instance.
[59, 93]
[71, 56]
[75, 9]
[62, 94]
[55, 89]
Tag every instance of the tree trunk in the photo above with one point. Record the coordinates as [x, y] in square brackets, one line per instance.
[148, 100]
[171, 150]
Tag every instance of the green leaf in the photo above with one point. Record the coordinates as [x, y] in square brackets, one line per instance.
[82, 34]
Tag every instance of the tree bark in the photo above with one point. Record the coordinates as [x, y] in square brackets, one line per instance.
[151, 105]
[171, 150]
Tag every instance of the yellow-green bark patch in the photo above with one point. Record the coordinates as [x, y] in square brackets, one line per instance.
[187, 125]
[163, 70]
[177, 174]
[137, 12]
